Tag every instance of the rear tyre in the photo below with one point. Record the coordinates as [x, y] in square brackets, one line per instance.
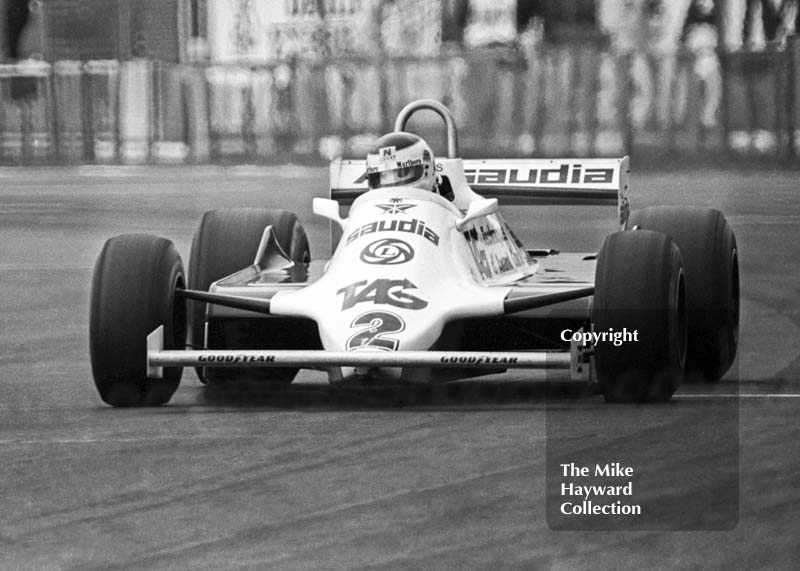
[639, 286]
[133, 293]
[710, 257]
[227, 241]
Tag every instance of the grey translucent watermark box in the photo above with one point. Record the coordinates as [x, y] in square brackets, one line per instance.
[652, 466]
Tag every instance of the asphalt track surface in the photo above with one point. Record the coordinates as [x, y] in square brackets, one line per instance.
[313, 478]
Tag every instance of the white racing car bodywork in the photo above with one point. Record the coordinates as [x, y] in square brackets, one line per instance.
[409, 264]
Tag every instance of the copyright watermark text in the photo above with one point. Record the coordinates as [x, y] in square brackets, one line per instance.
[617, 338]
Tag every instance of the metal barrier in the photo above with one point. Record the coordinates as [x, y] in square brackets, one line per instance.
[26, 112]
[69, 110]
[101, 110]
[562, 101]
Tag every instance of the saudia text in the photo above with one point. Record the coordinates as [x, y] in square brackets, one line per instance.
[565, 174]
[413, 226]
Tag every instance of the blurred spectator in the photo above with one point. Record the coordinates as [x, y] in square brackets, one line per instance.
[769, 21]
[491, 23]
[21, 42]
[701, 38]
[411, 27]
[701, 15]
[493, 65]
[454, 20]
[394, 41]
[565, 21]
[17, 17]
[564, 48]
[751, 24]
[647, 33]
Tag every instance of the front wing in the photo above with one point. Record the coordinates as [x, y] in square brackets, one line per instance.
[576, 361]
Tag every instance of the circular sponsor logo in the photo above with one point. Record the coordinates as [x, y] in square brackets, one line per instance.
[387, 251]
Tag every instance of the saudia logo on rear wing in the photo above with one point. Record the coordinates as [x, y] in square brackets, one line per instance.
[566, 174]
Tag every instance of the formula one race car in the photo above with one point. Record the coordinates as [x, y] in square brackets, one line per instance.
[423, 287]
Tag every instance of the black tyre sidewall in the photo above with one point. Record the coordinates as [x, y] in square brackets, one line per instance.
[133, 294]
[710, 255]
[639, 285]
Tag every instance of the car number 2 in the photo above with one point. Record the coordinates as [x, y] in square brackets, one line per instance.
[376, 325]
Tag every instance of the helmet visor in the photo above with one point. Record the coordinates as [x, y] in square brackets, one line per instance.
[395, 177]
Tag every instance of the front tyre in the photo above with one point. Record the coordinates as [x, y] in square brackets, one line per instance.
[640, 287]
[711, 258]
[133, 293]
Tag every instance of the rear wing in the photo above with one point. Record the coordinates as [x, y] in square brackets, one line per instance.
[513, 181]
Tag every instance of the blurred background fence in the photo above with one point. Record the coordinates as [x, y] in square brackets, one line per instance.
[569, 101]
[576, 93]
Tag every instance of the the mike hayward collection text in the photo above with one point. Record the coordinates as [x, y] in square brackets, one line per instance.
[588, 497]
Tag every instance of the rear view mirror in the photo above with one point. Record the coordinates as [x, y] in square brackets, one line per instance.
[477, 209]
[329, 209]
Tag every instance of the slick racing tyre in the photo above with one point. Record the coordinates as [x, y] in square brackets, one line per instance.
[640, 287]
[225, 242]
[133, 292]
[710, 258]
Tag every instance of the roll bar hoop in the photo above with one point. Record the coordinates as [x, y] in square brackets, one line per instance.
[443, 112]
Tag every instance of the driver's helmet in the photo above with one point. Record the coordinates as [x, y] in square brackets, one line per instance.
[401, 159]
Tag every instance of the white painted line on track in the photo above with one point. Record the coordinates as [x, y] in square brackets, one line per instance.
[122, 171]
[26, 441]
[76, 440]
[36, 267]
[145, 171]
[761, 219]
[747, 396]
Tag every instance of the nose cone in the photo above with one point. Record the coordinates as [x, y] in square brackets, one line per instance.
[399, 274]
[382, 277]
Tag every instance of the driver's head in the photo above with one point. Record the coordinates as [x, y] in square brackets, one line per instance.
[401, 159]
